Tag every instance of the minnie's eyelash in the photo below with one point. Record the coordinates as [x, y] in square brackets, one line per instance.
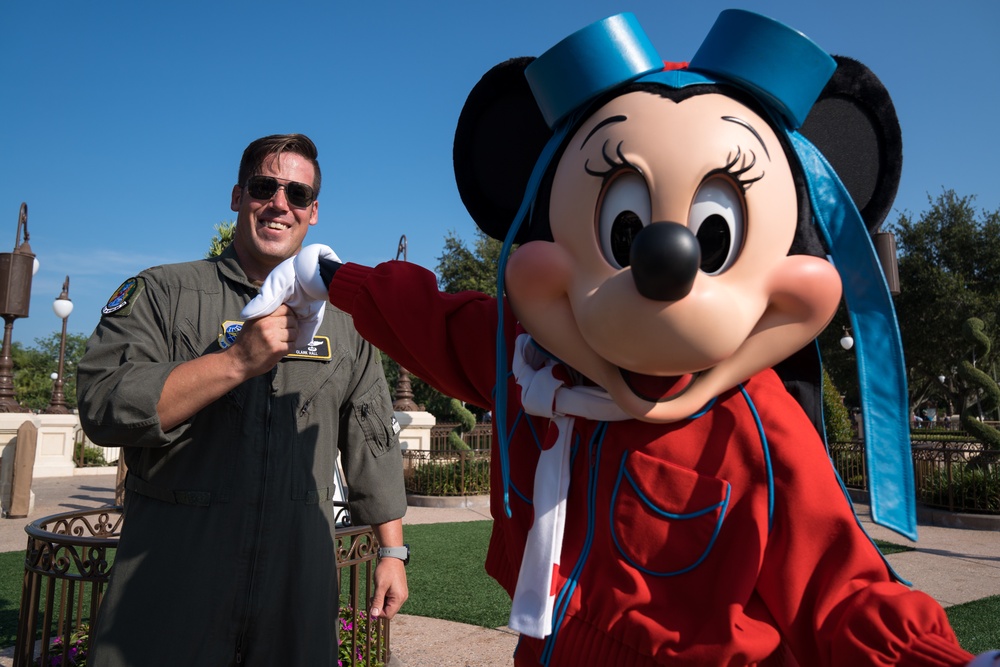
[613, 164]
[737, 172]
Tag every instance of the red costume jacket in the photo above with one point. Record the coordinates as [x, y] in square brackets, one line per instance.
[704, 542]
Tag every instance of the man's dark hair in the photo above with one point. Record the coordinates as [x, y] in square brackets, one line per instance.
[273, 146]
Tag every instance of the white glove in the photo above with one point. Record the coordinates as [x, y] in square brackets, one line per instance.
[305, 294]
[307, 270]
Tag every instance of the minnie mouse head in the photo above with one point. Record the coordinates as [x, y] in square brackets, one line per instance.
[673, 222]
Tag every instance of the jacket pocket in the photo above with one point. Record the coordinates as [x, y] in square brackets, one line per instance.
[665, 518]
[373, 414]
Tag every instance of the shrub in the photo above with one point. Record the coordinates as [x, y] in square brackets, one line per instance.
[838, 420]
[92, 456]
[970, 488]
[448, 478]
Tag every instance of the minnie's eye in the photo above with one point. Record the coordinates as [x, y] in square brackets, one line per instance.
[625, 210]
[716, 219]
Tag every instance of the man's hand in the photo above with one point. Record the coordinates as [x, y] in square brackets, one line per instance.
[391, 589]
[194, 384]
[266, 340]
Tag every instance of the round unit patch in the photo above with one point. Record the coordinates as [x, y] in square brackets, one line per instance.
[124, 297]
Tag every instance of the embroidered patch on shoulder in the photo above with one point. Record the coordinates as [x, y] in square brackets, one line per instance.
[123, 299]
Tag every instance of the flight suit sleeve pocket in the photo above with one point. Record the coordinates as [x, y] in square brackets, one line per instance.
[665, 518]
[373, 416]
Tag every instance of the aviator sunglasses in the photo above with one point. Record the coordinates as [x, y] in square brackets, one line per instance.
[298, 194]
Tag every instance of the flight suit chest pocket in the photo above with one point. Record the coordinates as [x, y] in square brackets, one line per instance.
[665, 518]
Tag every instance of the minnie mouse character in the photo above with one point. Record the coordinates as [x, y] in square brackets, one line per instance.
[659, 496]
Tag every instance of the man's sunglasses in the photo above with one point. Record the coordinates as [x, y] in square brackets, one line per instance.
[298, 194]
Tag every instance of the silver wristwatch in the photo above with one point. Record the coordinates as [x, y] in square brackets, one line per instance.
[402, 553]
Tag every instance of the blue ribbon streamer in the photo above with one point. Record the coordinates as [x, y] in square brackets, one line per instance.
[541, 165]
[879, 350]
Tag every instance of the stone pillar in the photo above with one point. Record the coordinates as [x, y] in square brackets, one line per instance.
[56, 440]
[10, 423]
[416, 430]
[22, 499]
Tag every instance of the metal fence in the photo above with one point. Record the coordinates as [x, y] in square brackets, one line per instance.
[949, 474]
[66, 570]
[956, 476]
[69, 561]
[959, 477]
[86, 453]
[363, 642]
[480, 437]
[447, 472]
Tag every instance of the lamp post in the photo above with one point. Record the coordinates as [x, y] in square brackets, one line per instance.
[847, 341]
[62, 307]
[403, 398]
[16, 270]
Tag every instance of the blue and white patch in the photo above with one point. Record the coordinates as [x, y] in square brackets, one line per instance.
[124, 298]
[230, 329]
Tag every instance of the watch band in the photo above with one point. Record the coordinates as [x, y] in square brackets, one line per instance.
[402, 553]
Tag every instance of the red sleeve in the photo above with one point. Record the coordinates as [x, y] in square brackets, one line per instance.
[822, 579]
[447, 340]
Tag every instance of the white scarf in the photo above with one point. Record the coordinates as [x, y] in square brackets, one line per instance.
[544, 395]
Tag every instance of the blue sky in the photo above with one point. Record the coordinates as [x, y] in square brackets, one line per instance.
[123, 122]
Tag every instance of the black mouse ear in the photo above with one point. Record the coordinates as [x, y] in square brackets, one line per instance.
[854, 125]
[499, 137]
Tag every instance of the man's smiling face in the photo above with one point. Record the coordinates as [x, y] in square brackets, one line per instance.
[272, 230]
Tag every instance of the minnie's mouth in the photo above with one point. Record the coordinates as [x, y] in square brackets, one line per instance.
[657, 389]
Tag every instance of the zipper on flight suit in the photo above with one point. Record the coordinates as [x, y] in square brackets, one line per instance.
[260, 519]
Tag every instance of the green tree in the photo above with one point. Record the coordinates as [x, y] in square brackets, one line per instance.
[34, 366]
[982, 388]
[949, 271]
[460, 268]
[466, 422]
[835, 415]
[224, 232]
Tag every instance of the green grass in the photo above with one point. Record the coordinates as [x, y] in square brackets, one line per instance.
[446, 575]
[889, 548]
[11, 579]
[447, 580]
[977, 624]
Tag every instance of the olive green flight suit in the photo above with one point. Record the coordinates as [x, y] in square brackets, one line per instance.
[227, 552]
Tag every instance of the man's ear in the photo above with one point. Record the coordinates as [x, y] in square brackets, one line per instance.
[854, 125]
[234, 203]
[500, 134]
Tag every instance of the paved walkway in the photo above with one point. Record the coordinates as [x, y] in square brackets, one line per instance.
[953, 565]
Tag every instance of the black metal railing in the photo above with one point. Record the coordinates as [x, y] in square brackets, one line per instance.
[70, 557]
[66, 569]
[480, 437]
[951, 475]
[447, 472]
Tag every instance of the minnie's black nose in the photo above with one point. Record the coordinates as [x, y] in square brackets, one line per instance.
[665, 257]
